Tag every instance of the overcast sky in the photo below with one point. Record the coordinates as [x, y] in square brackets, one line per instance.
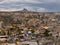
[32, 5]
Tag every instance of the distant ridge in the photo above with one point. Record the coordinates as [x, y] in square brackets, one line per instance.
[25, 10]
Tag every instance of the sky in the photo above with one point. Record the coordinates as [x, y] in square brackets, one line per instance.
[31, 5]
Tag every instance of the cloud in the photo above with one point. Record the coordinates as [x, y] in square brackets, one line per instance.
[18, 9]
[9, 1]
[21, 1]
[42, 9]
[33, 1]
[33, 5]
[10, 9]
[50, 1]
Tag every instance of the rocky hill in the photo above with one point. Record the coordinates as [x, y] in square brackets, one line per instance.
[31, 19]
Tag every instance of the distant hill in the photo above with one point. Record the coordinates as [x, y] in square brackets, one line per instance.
[30, 18]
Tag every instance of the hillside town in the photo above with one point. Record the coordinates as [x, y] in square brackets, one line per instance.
[29, 28]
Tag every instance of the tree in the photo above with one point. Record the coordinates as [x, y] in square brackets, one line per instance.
[7, 19]
[2, 32]
[46, 33]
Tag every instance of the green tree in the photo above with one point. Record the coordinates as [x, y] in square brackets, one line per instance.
[46, 33]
